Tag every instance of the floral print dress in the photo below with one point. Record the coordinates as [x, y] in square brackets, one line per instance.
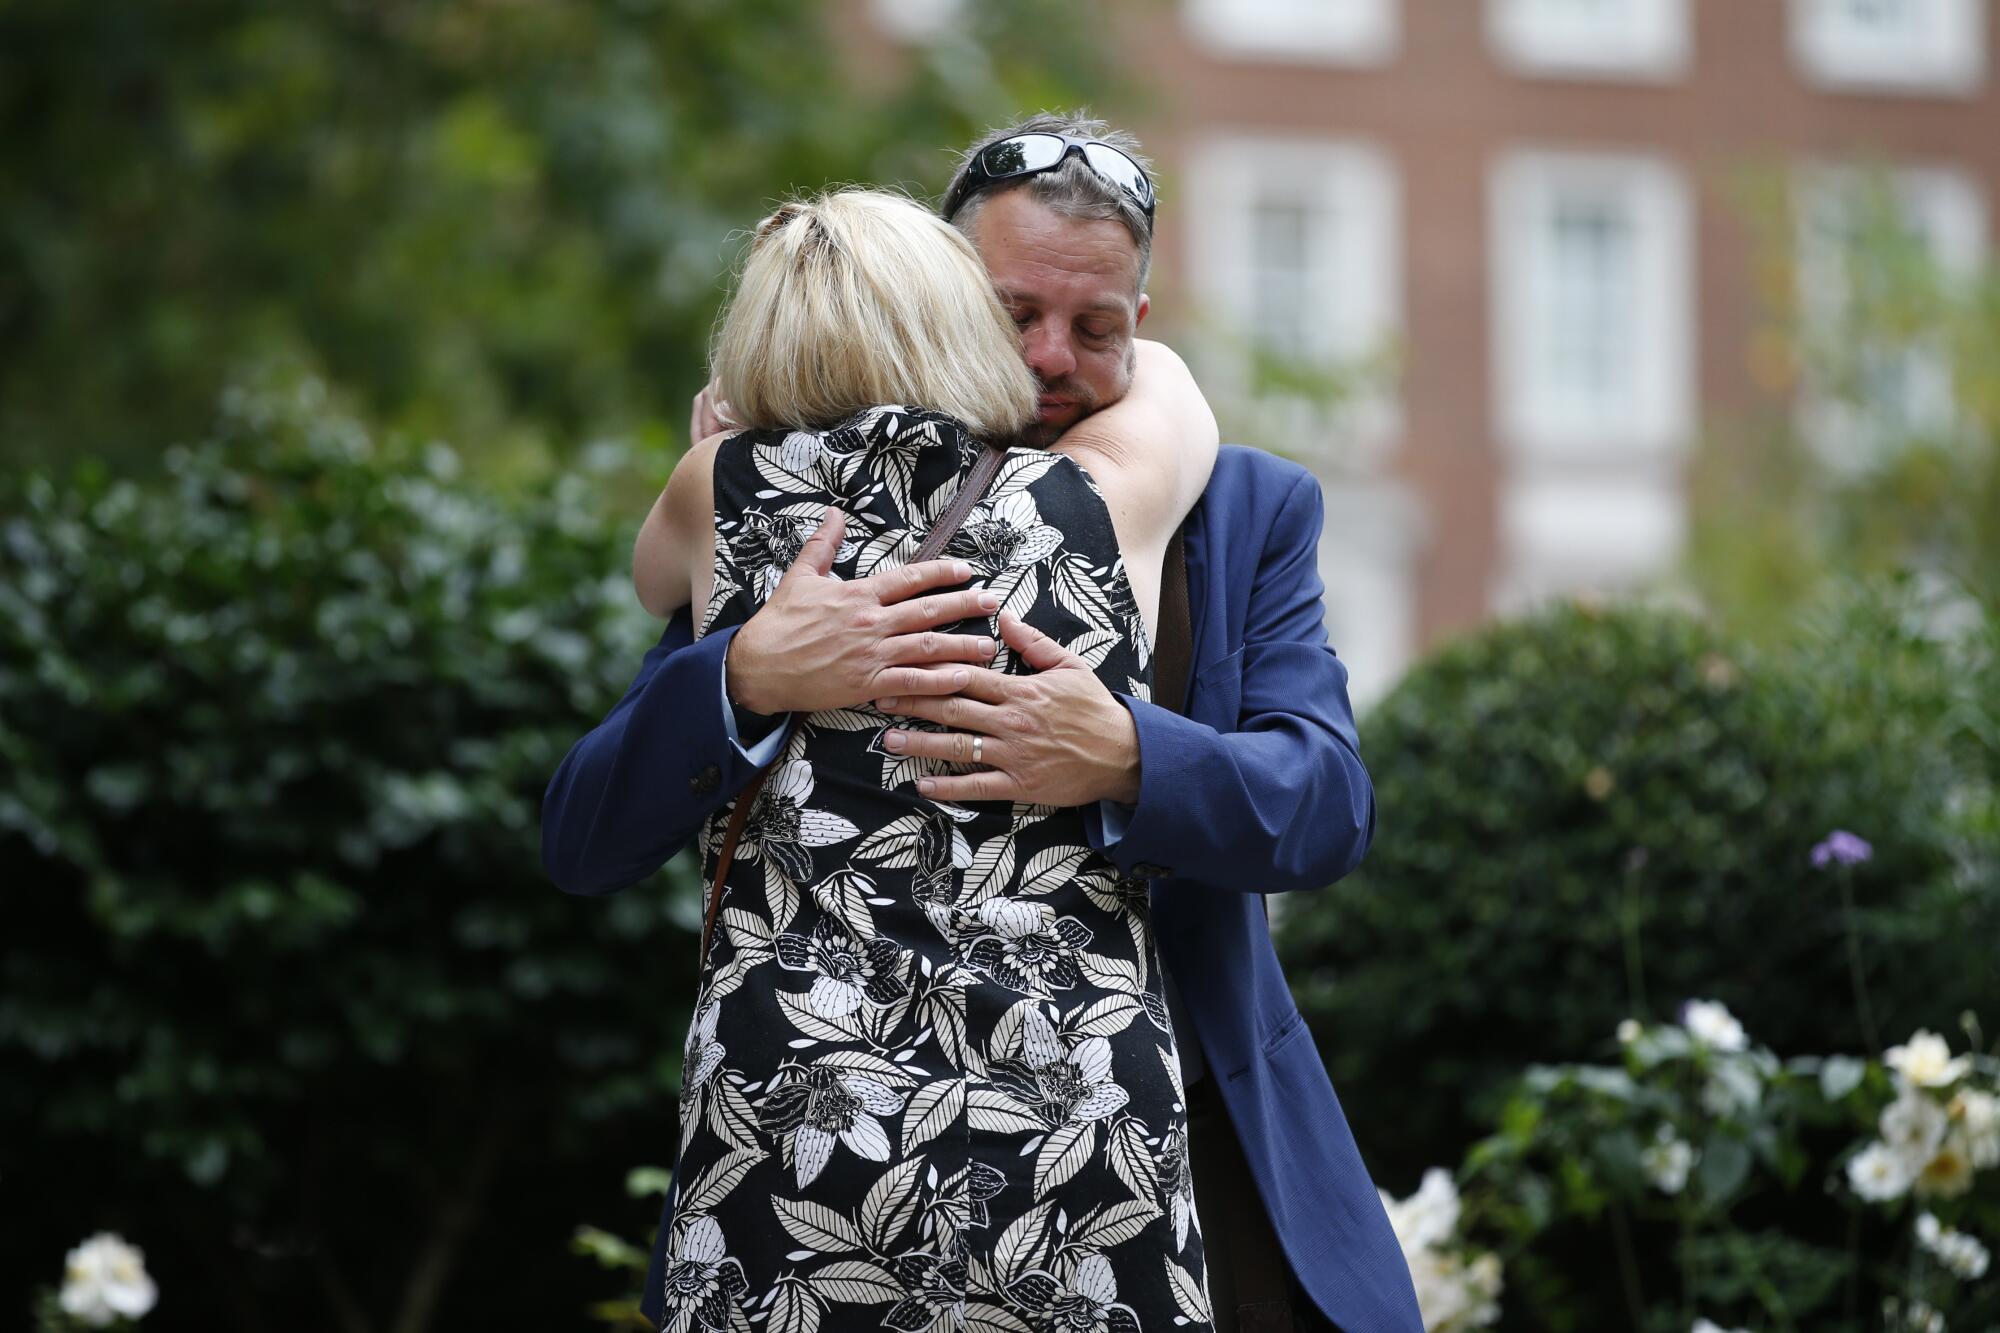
[930, 1081]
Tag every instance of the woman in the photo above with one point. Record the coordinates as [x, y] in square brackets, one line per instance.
[930, 1082]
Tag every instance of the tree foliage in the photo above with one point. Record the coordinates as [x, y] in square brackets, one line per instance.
[501, 224]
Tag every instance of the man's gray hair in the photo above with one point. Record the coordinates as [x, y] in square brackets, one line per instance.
[1073, 189]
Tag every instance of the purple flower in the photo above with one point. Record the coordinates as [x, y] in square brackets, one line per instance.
[1843, 848]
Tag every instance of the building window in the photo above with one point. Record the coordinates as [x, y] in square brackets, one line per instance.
[1370, 538]
[1294, 256]
[1572, 529]
[1591, 321]
[1867, 385]
[1334, 32]
[919, 20]
[1904, 46]
[1627, 39]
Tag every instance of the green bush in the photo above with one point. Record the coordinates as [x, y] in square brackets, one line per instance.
[286, 999]
[1701, 1176]
[1597, 814]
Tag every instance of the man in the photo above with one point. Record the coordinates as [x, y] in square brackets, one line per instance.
[1249, 784]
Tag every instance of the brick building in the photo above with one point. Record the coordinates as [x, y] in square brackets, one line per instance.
[1533, 206]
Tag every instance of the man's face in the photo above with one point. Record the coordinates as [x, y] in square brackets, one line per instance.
[1072, 286]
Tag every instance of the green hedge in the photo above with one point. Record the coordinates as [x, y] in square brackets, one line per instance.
[286, 998]
[1598, 813]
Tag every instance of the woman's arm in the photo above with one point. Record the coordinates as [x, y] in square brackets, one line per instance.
[1151, 451]
[672, 561]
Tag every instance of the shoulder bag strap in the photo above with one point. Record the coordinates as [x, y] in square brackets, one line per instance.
[976, 482]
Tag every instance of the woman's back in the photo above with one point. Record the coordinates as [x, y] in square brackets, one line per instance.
[931, 1080]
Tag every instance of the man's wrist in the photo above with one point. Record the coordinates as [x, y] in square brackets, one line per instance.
[1124, 788]
[740, 685]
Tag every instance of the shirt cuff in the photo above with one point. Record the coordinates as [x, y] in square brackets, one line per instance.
[1115, 815]
[765, 750]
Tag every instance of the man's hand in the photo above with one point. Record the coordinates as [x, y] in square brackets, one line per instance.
[822, 642]
[1054, 738]
[709, 415]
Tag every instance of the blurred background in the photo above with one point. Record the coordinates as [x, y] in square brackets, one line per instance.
[1648, 354]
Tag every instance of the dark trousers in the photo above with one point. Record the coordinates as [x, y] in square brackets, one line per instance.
[1249, 1282]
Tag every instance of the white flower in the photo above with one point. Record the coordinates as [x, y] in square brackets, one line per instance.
[1453, 1295]
[1710, 1023]
[703, 1053]
[1628, 1031]
[1667, 1160]
[1978, 1117]
[1960, 1253]
[826, 1106]
[104, 1278]
[1428, 1217]
[1926, 1061]
[1029, 952]
[780, 826]
[703, 1286]
[1086, 1303]
[1062, 1085]
[1914, 1124]
[1948, 1173]
[1917, 1317]
[1879, 1173]
[1002, 533]
[1710, 1326]
[848, 971]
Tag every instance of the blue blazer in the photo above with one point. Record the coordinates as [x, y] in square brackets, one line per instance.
[1256, 787]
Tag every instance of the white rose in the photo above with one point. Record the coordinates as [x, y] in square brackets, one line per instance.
[1926, 1061]
[1914, 1123]
[1879, 1173]
[1978, 1115]
[1710, 1023]
[104, 1278]
[1666, 1161]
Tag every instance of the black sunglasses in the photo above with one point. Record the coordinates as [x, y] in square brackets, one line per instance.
[1031, 154]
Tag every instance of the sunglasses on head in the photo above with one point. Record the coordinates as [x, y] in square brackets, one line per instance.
[1030, 154]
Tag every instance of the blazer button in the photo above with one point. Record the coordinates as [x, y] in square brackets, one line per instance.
[705, 781]
[1151, 870]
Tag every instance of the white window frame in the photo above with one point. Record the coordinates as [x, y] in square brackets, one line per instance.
[1945, 57]
[1323, 32]
[1541, 38]
[1948, 207]
[1524, 187]
[1360, 261]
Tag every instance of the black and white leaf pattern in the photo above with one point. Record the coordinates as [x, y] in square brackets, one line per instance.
[854, 1032]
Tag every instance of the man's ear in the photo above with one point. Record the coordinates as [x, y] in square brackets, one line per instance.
[1145, 304]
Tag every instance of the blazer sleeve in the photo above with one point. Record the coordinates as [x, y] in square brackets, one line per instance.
[635, 789]
[1281, 802]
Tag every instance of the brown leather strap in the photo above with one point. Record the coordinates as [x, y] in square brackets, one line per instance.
[976, 482]
[969, 492]
[737, 818]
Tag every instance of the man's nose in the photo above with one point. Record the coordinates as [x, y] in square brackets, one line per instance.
[1048, 352]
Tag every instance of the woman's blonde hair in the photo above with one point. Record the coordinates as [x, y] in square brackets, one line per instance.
[860, 297]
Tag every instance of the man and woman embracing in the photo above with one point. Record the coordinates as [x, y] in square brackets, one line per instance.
[995, 695]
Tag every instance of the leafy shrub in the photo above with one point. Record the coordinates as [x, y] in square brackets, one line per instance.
[1594, 812]
[286, 998]
[1703, 1177]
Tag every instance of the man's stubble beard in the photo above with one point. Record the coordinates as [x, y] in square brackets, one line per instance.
[1041, 434]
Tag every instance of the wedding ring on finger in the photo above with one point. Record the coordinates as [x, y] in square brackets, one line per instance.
[978, 745]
